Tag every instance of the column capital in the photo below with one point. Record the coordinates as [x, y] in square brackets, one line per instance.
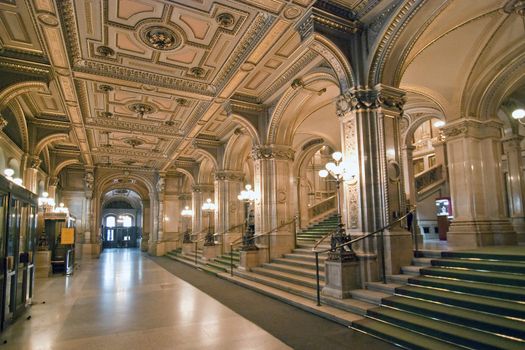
[229, 175]
[381, 96]
[277, 152]
[89, 179]
[202, 188]
[468, 127]
[34, 162]
[3, 123]
[53, 181]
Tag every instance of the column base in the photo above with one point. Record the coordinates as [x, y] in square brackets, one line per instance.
[90, 250]
[481, 233]
[519, 226]
[157, 249]
[249, 259]
[187, 248]
[341, 278]
[398, 250]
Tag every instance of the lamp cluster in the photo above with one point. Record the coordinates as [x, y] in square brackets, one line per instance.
[208, 205]
[340, 170]
[9, 175]
[247, 195]
[519, 114]
[186, 212]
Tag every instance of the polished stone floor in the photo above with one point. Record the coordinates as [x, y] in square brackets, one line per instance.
[126, 301]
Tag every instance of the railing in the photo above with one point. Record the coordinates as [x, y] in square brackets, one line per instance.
[322, 207]
[410, 217]
[429, 177]
[226, 231]
[267, 234]
[196, 242]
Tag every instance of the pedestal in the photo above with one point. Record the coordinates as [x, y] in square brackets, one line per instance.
[43, 264]
[211, 251]
[249, 259]
[341, 278]
[187, 248]
[481, 233]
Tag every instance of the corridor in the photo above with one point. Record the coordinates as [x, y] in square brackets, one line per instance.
[126, 301]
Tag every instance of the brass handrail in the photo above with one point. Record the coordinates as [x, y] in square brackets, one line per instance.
[257, 236]
[382, 229]
[322, 239]
[228, 230]
[196, 242]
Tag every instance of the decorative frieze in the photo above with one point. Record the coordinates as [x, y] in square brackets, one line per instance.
[276, 152]
[202, 188]
[383, 97]
[473, 128]
[229, 175]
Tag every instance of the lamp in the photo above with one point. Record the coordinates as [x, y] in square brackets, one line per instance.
[208, 207]
[9, 173]
[248, 196]
[340, 171]
[519, 114]
[186, 213]
[439, 124]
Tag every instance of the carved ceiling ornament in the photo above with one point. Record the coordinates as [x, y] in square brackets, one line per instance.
[160, 38]
[3, 123]
[35, 162]
[105, 51]
[473, 128]
[273, 152]
[352, 100]
[133, 142]
[225, 19]
[141, 108]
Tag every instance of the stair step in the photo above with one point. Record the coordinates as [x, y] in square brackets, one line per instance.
[388, 288]
[226, 261]
[202, 266]
[288, 277]
[340, 316]
[399, 279]
[218, 266]
[309, 250]
[304, 257]
[431, 254]
[400, 336]
[512, 254]
[298, 263]
[477, 288]
[473, 302]
[295, 270]
[479, 320]
[411, 270]
[453, 333]
[369, 296]
[499, 266]
[422, 261]
[478, 276]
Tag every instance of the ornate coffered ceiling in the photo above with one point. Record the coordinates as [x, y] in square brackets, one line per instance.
[140, 80]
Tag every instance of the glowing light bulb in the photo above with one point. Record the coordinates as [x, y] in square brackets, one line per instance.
[516, 114]
[337, 156]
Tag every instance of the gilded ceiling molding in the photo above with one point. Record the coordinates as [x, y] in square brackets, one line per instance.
[229, 175]
[142, 182]
[18, 89]
[473, 128]
[337, 60]
[145, 154]
[25, 67]
[253, 36]
[276, 152]
[49, 139]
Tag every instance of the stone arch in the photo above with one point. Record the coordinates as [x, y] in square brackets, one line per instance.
[207, 169]
[283, 122]
[414, 123]
[17, 89]
[250, 129]
[62, 165]
[236, 151]
[337, 60]
[206, 155]
[18, 113]
[47, 140]
[188, 174]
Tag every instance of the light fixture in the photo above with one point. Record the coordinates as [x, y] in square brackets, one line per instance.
[340, 170]
[518, 114]
[298, 83]
[208, 207]
[439, 124]
[9, 173]
[247, 195]
[186, 212]
[18, 181]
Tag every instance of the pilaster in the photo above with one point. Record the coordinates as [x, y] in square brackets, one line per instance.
[515, 184]
[230, 211]
[476, 185]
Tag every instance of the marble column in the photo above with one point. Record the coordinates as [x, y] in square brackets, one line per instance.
[52, 187]
[31, 174]
[200, 192]
[230, 211]
[375, 197]
[273, 181]
[408, 172]
[476, 185]
[515, 184]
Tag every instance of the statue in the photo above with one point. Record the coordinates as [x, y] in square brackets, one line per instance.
[160, 185]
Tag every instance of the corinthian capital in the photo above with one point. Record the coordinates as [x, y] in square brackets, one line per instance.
[352, 100]
[3, 123]
[34, 162]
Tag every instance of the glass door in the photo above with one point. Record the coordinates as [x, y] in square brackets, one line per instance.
[22, 275]
[3, 213]
[11, 260]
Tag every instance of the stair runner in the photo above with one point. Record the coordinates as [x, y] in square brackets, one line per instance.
[463, 300]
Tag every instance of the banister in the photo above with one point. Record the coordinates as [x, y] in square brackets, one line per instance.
[322, 239]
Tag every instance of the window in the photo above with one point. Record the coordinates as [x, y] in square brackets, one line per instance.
[110, 232]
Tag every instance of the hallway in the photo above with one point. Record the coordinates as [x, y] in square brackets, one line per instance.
[127, 301]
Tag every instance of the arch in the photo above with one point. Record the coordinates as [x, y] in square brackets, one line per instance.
[283, 122]
[47, 140]
[15, 107]
[64, 164]
[337, 60]
[18, 89]
[206, 171]
[306, 153]
[188, 174]
[206, 155]
[250, 129]
[236, 151]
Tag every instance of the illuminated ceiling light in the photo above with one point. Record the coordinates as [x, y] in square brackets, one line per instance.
[9, 172]
[518, 113]
[18, 181]
[439, 124]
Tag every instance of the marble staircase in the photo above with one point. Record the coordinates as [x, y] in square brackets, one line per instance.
[213, 266]
[462, 300]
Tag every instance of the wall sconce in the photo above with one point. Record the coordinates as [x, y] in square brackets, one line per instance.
[298, 83]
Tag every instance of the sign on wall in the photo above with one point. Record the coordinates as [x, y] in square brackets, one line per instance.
[67, 236]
